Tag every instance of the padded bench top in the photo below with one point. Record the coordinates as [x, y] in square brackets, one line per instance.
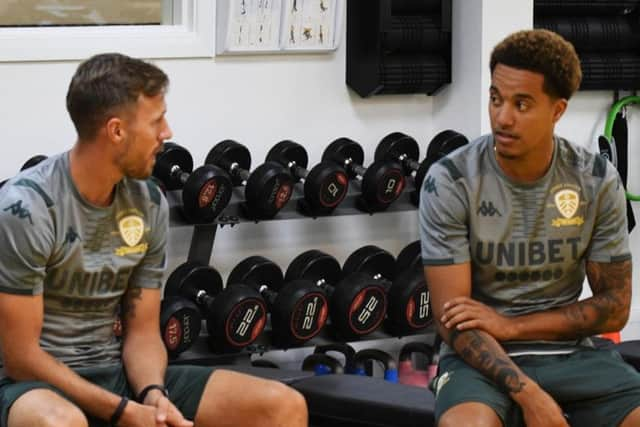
[341, 400]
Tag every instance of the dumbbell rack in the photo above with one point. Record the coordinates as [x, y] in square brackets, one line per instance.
[201, 247]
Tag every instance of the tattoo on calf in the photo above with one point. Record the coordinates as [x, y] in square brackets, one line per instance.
[481, 351]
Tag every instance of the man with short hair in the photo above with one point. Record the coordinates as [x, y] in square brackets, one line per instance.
[84, 232]
[510, 225]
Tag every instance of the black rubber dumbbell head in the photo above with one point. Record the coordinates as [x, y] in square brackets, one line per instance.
[191, 277]
[409, 303]
[38, 158]
[372, 260]
[180, 324]
[206, 190]
[267, 189]
[28, 164]
[442, 144]
[382, 181]
[325, 185]
[228, 153]
[235, 315]
[409, 258]
[357, 303]
[396, 146]
[314, 265]
[172, 155]
[345, 151]
[299, 308]
[236, 319]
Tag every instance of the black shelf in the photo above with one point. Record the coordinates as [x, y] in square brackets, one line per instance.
[201, 247]
[201, 354]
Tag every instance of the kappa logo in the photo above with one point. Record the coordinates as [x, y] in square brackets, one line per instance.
[487, 209]
[441, 381]
[71, 236]
[567, 202]
[430, 185]
[16, 209]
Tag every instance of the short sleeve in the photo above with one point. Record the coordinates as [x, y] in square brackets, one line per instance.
[443, 216]
[27, 233]
[610, 237]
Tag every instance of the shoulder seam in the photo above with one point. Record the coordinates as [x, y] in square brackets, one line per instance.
[25, 182]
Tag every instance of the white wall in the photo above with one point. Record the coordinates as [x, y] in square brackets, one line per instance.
[260, 100]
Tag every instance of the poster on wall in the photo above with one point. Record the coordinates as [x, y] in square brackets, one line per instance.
[248, 25]
[309, 24]
[277, 26]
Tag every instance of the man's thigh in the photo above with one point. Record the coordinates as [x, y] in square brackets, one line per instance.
[594, 387]
[186, 385]
[458, 383]
[25, 403]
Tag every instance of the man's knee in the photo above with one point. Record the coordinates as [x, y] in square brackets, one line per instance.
[470, 414]
[68, 416]
[45, 408]
[285, 403]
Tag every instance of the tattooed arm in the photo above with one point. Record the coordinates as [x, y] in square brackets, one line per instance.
[476, 347]
[606, 311]
[143, 353]
[482, 351]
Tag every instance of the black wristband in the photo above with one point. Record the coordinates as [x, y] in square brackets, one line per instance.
[150, 387]
[118, 412]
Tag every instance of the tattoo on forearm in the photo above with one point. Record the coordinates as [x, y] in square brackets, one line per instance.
[482, 352]
[608, 309]
[129, 301]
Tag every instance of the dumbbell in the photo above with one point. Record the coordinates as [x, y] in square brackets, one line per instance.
[235, 315]
[407, 293]
[381, 183]
[32, 161]
[322, 364]
[180, 324]
[408, 373]
[325, 185]
[299, 309]
[409, 298]
[398, 146]
[347, 351]
[357, 303]
[267, 189]
[409, 258]
[401, 147]
[206, 191]
[364, 364]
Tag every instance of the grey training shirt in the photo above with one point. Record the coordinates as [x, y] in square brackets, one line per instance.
[527, 243]
[80, 257]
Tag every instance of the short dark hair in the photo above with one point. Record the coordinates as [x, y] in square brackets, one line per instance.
[543, 52]
[106, 82]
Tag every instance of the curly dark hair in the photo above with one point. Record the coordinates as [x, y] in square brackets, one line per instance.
[544, 52]
[106, 82]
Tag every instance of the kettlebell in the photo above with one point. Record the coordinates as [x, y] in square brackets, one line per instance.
[407, 372]
[364, 364]
[322, 364]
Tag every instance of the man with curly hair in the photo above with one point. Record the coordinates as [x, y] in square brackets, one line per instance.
[510, 226]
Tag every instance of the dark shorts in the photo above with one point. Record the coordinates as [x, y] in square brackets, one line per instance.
[185, 384]
[595, 388]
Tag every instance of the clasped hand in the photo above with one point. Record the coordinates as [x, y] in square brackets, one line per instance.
[464, 313]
